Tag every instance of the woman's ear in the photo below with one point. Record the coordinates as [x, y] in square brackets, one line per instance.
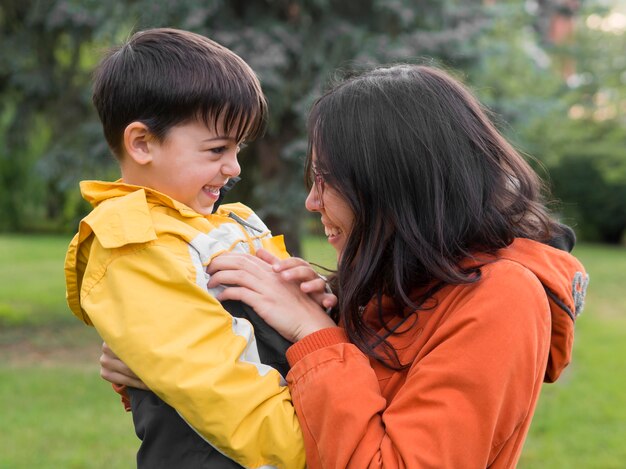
[138, 143]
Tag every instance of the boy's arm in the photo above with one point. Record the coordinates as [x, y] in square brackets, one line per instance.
[193, 354]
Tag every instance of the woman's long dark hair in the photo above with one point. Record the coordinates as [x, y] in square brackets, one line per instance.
[430, 181]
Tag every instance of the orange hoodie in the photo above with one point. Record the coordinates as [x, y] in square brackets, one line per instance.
[477, 361]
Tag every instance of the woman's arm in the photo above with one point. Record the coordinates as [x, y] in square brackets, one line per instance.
[475, 369]
[476, 366]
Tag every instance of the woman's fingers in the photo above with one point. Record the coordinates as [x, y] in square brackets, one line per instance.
[299, 271]
[231, 261]
[239, 294]
[114, 370]
[240, 278]
[289, 263]
[329, 300]
[316, 285]
[293, 270]
[119, 378]
[267, 257]
[236, 269]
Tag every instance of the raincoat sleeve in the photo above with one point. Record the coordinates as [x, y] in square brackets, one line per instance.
[470, 387]
[194, 355]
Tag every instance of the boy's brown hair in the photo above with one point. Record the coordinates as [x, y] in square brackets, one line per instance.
[165, 77]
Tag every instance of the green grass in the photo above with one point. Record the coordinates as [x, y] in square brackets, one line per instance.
[581, 419]
[57, 412]
[62, 417]
[316, 249]
[32, 284]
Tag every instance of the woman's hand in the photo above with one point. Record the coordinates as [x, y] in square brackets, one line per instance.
[115, 370]
[294, 269]
[281, 303]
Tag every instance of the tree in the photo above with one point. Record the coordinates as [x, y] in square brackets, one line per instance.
[46, 118]
[295, 46]
[572, 126]
[50, 137]
[592, 177]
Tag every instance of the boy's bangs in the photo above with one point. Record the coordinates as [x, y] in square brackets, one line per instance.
[244, 118]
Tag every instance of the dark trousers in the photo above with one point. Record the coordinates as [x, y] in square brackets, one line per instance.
[167, 442]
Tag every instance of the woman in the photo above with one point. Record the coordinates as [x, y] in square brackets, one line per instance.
[454, 306]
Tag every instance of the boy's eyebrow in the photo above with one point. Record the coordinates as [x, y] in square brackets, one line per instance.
[219, 137]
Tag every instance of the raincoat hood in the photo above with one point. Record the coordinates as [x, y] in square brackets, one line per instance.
[125, 216]
[565, 282]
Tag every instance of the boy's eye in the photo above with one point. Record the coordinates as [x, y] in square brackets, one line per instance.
[220, 150]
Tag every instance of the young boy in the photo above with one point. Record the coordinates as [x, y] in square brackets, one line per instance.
[175, 108]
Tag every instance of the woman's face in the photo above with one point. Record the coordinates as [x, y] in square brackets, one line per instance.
[336, 215]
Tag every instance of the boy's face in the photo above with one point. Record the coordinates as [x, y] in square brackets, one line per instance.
[192, 164]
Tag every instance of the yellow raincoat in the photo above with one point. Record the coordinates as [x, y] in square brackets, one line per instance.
[136, 271]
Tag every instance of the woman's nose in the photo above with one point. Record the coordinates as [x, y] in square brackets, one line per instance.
[312, 202]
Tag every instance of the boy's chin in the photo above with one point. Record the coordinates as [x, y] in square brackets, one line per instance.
[205, 210]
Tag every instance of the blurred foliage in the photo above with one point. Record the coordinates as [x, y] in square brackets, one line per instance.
[574, 128]
[50, 137]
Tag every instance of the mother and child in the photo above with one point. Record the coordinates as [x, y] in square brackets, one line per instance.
[454, 297]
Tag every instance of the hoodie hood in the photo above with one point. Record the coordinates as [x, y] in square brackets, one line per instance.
[565, 281]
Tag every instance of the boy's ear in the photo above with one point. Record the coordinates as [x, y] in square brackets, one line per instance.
[138, 142]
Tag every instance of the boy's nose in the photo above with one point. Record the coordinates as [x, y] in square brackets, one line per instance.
[231, 167]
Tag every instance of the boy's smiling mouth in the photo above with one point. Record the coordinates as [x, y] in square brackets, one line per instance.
[213, 190]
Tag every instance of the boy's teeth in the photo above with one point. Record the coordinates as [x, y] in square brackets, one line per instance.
[213, 189]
